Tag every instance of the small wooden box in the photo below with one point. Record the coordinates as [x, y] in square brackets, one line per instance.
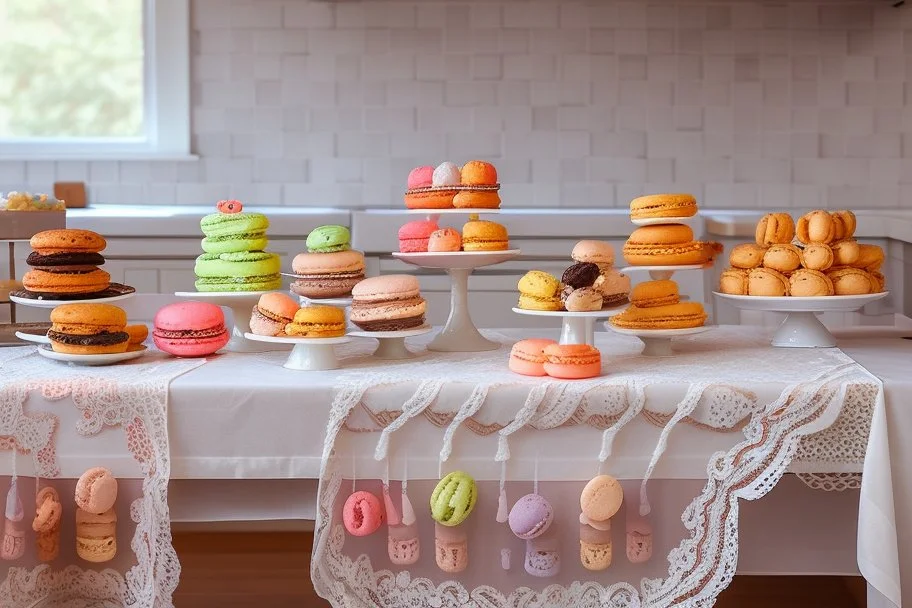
[23, 225]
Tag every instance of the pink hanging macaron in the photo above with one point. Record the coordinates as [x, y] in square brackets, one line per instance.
[362, 514]
[13, 546]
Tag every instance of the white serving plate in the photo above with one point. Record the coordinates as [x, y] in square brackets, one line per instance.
[657, 342]
[35, 338]
[45, 351]
[451, 211]
[456, 259]
[45, 303]
[652, 221]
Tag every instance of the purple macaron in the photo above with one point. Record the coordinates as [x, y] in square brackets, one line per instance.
[531, 516]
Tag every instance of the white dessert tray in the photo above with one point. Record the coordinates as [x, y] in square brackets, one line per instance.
[459, 335]
[659, 273]
[45, 303]
[658, 341]
[308, 354]
[801, 328]
[108, 359]
[392, 343]
[241, 304]
[576, 327]
[653, 221]
[35, 338]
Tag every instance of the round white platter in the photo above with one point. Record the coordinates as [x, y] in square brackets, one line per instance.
[339, 302]
[392, 343]
[801, 328]
[241, 304]
[576, 327]
[45, 303]
[658, 341]
[452, 211]
[307, 354]
[45, 351]
[35, 338]
[659, 273]
[653, 221]
[459, 335]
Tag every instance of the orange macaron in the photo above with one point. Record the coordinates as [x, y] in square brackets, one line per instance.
[572, 361]
[482, 235]
[527, 357]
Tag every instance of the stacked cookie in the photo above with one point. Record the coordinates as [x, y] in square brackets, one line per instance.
[657, 305]
[330, 267]
[447, 186]
[422, 236]
[668, 243]
[590, 284]
[65, 265]
[235, 258]
[390, 302]
[278, 315]
[816, 257]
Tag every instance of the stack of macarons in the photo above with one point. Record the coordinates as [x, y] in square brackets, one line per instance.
[93, 329]
[657, 305]
[234, 257]
[543, 357]
[669, 243]
[422, 236]
[190, 329]
[65, 265]
[447, 186]
[388, 303]
[278, 315]
[817, 256]
[330, 267]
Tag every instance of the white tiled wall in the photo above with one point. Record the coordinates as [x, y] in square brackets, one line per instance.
[580, 103]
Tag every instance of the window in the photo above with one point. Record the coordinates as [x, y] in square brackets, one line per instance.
[94, 79]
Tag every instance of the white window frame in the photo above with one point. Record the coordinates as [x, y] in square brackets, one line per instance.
[166, 42]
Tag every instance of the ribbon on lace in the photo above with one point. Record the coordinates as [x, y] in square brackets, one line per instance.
[466, 411]
[523, 416]
[636, 401]
[425, 395]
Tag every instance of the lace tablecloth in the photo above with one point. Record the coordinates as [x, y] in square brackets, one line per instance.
[772, 409]
[132, 397]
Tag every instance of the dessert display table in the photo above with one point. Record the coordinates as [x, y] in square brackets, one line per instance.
[241, 416]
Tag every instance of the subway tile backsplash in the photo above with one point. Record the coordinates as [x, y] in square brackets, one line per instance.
[580, 103]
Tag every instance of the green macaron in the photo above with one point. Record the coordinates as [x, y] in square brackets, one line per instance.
[238, 271]
[254, 241]
[329, 239]
[453, 499]
[233, 224]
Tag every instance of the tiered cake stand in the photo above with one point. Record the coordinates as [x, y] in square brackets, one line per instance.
[576, 327]
[459, 334]
[241, 304]
[801, 328]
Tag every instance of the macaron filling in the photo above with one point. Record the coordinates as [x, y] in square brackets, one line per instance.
[99, 339]
[181, 334]
[65, 259]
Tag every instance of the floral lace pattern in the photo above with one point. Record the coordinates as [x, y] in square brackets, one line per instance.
[130, 396]
[820, 387]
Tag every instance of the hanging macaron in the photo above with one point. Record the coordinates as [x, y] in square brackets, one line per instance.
[13, 546]
[530, 519]
[48, 512]
[599, 502]
[96, 520]
[362, 514]
[451, 503]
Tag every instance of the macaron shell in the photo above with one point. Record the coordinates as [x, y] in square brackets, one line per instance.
[328, 239]
[229, 224]
[67, 240]
[96, 490]
[362, 514]
[531, 516]
[189, 316]
[191, 347]
[601, 498]
[572, 361]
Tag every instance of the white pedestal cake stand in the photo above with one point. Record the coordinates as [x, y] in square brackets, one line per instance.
[652, 221]
[576, 327]
[663, 273]
[459, 335]
[392, 343]
[801, 328]
[308, 354]
[657, 341]
[45, 303]
[241, 304]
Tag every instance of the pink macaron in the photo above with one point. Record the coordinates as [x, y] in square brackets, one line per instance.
[190, 329]
[420, 177]
[362, 514]
[527, 357]
[414, 236]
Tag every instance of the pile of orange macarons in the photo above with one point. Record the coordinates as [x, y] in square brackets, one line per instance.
[448, 186]
[543, 357]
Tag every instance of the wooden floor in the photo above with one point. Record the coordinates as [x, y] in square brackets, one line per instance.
[232, 569]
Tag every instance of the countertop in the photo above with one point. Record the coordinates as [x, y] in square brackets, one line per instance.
[142, 221]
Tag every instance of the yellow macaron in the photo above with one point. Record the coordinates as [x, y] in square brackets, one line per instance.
[317, 322]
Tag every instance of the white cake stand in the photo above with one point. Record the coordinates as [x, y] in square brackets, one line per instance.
[91, 360]
[308, 354]
[663, 273]
[459, 335]
[576, 327]
[392, 343]
[55, 303]
[653, 221]
[241, 304]
[338, 302]
[801, 328]
[657, 341]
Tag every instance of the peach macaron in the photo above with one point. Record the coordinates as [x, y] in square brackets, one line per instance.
[527, 357]
[572, 361]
